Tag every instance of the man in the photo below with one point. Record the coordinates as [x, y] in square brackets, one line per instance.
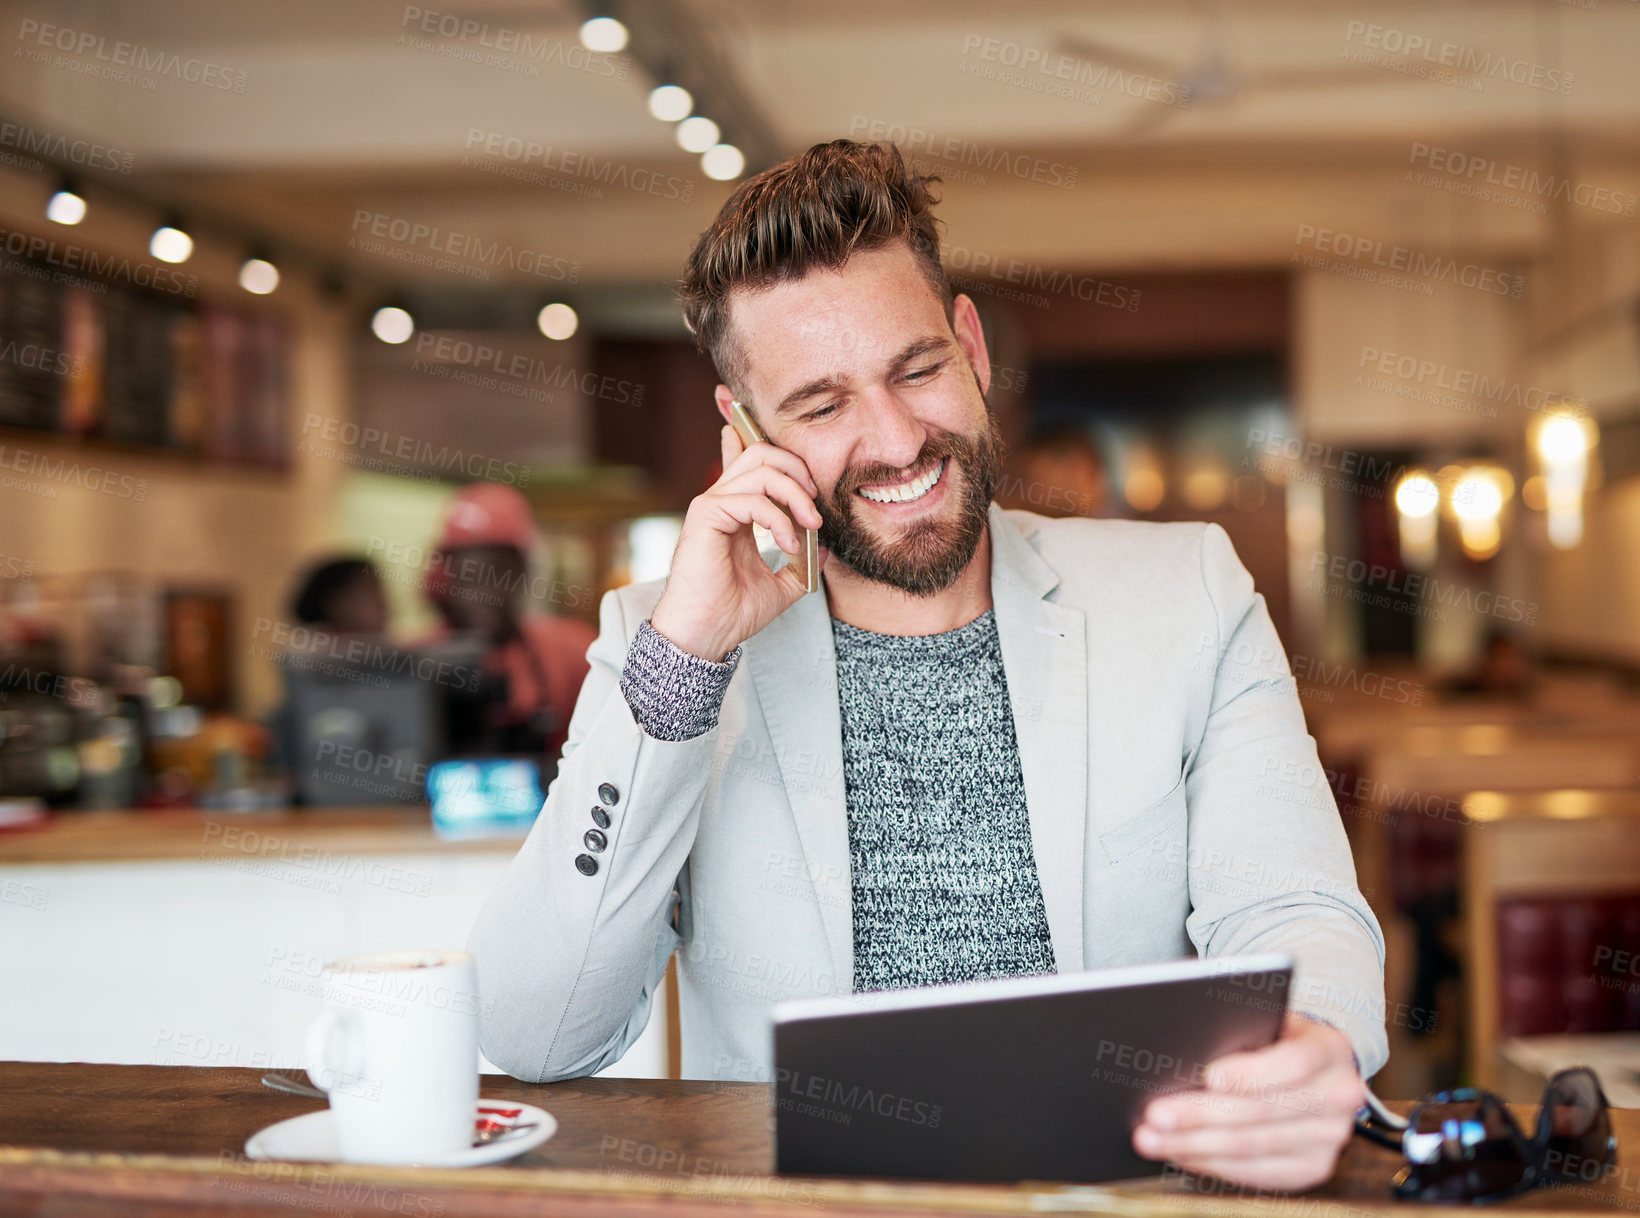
[995, 745]
[478, 581]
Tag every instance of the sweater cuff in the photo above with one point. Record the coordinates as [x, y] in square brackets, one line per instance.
[673, 695]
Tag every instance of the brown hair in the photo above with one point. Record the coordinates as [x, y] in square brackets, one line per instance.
[814, 210]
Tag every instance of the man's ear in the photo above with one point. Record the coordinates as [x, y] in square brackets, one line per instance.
[723, 396]
[971, 338]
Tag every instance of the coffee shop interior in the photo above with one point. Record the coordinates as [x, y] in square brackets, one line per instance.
[342, 373]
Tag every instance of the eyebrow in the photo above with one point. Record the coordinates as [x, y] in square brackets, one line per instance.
[912, 351]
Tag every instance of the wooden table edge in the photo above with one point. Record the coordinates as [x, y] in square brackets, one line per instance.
[175, 1177]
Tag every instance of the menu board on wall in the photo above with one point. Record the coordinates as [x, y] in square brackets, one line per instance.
[31, 355]
[134, 367]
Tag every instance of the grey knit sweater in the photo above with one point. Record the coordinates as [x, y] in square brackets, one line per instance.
[944, 883]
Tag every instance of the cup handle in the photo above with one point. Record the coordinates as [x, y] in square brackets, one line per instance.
[334, 1048]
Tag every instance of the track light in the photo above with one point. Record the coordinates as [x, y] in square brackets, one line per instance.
[393, 324]
[258, 275]
[171, 242]
[66, 206]
[603, 34]
[697, 134]
[557, 321]
[670, 103]
[722, 162]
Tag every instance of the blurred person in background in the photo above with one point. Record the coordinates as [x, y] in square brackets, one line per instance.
[533, 662]
[1504, 670]
[342, 596]
[339, 597]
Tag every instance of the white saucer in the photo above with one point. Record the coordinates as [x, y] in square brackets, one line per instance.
[312, 1138]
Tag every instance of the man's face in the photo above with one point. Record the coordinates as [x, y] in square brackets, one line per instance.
[858, 372]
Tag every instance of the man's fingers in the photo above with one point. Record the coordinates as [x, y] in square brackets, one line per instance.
[1202, 1109]
[730, 443]
[1291, 1060]
[1258, 1140]
[767, 454]
[735, 512]
[774, 484]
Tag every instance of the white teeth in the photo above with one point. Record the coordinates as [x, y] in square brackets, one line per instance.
[911, 490]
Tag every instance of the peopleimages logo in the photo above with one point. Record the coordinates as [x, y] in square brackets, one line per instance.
[377, 232]
[1469, 171]
[71, 257]
[507, 44]
[1374, 255]
[518, 158]
[111, 59]
[1465, 382]
[1413, 585]
[989, 158]
[1467, 60]
[60, 148]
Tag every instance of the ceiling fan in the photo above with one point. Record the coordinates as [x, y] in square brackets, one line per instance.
[1212, 80]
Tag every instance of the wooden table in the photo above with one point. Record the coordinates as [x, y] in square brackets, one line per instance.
[145, 1140]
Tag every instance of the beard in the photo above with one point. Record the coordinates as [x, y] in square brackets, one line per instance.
[928, 555]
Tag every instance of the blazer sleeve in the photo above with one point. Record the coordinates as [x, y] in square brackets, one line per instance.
[568, 962]
[1270, 867]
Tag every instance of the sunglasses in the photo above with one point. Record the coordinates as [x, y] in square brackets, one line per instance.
[1466, 1146]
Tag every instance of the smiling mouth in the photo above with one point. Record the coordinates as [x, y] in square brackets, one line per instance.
[906, 492]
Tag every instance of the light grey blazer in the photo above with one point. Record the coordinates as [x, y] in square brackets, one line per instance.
[1176, 808]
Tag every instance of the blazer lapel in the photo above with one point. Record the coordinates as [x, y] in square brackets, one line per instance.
[1045, 657]
[793, 662]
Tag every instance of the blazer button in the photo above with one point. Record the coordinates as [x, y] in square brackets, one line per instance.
[600, 818]
[595, 841]
[608, 794]
[586, 864]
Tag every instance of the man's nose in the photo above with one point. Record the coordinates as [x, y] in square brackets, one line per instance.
[894, 435]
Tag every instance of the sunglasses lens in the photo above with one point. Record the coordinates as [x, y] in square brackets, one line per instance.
[1463, 1151]
[1574, 1128]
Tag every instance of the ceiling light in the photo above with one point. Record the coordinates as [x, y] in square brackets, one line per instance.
[1562, 439]
[171, 243]
[258, 276]
[1417, 495]
[723, 162]
[557, 321]
[670, 103]
[697, 134]
[66, 206]
[603, 34]
[392, 324]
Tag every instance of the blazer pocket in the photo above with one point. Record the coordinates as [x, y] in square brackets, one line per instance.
[1139, 831]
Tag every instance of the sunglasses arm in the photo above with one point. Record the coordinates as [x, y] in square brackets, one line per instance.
[1378, 1124]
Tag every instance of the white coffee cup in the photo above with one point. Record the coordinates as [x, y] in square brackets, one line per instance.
[397, 1052]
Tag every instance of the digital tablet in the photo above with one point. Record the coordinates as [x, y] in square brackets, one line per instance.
[1030, 1078]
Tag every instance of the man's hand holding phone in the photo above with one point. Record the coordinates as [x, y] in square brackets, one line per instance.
[721, 592]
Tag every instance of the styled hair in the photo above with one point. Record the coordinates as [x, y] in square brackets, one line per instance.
[813, 211]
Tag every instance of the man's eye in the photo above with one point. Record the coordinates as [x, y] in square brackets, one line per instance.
[821, 413]
[922, 374]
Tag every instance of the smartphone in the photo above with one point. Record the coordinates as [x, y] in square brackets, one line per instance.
[807, 562]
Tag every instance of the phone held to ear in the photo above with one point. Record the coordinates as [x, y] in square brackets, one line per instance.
[806, 563]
